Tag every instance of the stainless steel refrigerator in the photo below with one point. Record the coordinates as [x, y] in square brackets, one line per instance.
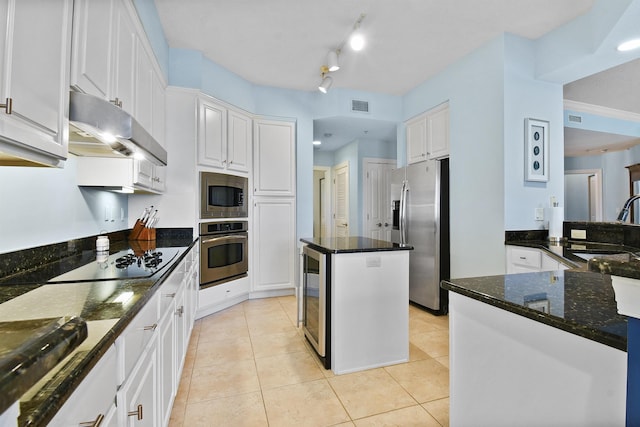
[420, 207]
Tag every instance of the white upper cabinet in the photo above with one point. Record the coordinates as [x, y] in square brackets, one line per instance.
[91, 66]
[417, 139]
[224, 137]
[274, 171]
[238, 141]
[34, 74]
[112, 59]
[438, 132]
[428, 135]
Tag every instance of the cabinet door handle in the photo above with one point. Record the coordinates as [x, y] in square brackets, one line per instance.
[379, 224]
[151, 327]
[94, 423]
[8, 105]
[180, 311]
[137, 413]
[117, 102]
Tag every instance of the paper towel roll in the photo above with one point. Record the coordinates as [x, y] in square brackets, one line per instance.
[556, 217]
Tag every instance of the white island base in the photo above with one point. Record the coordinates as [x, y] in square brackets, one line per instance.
[508, 370]
[369, 310]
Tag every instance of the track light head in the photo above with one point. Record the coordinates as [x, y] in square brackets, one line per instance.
[332, 61]
[326, 84]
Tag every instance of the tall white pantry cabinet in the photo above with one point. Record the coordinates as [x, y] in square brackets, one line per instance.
[274, 207]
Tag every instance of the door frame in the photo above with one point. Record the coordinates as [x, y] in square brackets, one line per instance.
[597, 197]
[366, 166]
[328, 199]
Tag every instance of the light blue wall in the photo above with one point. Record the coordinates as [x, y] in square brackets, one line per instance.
[526, 97]
[474, 87]
[45, 205]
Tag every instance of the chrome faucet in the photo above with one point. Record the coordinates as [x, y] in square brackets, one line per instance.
[624, 213]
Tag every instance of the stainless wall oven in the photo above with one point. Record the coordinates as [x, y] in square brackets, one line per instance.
[223, 252]
[223, 196]
[316, 301]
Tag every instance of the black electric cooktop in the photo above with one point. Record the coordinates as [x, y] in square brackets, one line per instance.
[121, 265]
[94, 266]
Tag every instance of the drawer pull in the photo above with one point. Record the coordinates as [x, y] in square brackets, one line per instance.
[169, 295]
[523, 257]
[94, 423]
[151, 327]
[137, 413]
[8, 105]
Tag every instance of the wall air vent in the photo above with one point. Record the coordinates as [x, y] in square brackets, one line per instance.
[575, 119]
[359, 106]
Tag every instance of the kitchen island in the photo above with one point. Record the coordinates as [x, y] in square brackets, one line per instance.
[367, 310]
[545, 348]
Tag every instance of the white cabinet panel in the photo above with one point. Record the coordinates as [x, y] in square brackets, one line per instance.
[94, 397]
[427, 135]
[224, 137]
[416, 139]
[137, 397]
[125, 58]
[35, 51]
[438, 128]
[212, 134]
[91, 61]
[274, 244]
[274, 158]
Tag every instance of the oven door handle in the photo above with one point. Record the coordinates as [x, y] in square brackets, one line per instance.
[222, 238]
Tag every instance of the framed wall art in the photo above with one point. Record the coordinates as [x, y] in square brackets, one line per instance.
[536, 154]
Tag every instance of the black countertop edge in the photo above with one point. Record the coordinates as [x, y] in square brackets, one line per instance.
[27, 364]
[353, 244]
[602, 337]
[41, 415]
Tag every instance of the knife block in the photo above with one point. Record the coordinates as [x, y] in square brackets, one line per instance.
[146, 234]
[140, 247]
[140, 232]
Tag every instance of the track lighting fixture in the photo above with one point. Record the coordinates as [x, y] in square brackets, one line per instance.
[356, 41]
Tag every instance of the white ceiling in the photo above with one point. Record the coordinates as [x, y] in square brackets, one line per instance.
[283, 43]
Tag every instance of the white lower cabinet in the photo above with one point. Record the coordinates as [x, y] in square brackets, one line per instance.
[94, 399]
[137, 396]
[526, 260]
[274, 231]
[135, 382]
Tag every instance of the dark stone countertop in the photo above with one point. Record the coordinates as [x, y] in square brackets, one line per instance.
[580, 302]
[103, 319]
[352, 244]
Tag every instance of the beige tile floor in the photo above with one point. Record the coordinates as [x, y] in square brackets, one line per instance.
[250, 366]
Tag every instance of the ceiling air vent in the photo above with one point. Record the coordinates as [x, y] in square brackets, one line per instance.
[575, 119]
[359, 106]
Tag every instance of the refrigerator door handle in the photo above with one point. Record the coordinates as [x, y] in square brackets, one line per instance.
[403, 213]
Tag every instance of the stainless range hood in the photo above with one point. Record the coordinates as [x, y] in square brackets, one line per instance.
[98, 128]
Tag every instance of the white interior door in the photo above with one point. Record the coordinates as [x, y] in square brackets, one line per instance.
[377, 220]
[341, 197]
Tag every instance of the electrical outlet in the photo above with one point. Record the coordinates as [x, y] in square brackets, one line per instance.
[579, 234]
[539, 215]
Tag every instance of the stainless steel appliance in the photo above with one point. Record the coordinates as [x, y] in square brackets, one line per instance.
[420, 205]
[223, 196]
[223, 252]
[316, 297]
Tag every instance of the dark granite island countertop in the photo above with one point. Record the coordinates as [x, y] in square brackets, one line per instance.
[580, 302]
[352, 244]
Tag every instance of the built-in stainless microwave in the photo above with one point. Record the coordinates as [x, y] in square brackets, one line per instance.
[223, 196]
